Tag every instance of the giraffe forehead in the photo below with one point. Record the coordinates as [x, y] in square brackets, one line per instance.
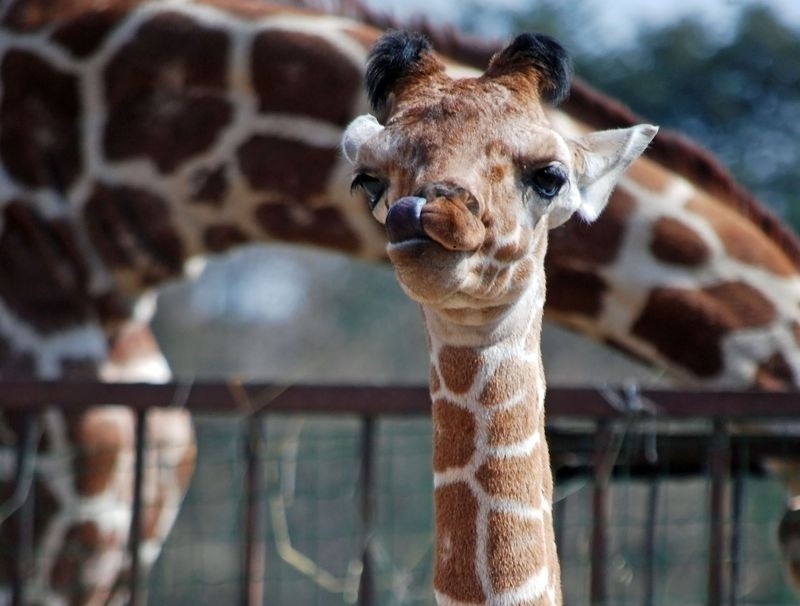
[459, 116]
[478, 154]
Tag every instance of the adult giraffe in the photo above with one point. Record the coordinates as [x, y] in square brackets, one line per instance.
[134, 135]
[469, 176]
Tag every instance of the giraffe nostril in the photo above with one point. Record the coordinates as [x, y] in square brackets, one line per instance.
[403, 220]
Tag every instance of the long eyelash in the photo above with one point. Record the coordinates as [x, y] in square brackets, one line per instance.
[358, 182]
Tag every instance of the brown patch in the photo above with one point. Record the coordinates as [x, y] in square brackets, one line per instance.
[496, 173]
[686, 327]
[580, 244]
[775, 373]
[453, 435]
[458, 367]
[131, 228]
[286, 73]
[742, 239]
[574, 290]
[41, 280]
[101, 435]
[523, 271]
[512, 378]
[40, 122]
[745, 306]
[434, 381]
[209, 186]
[515, 550]
[165, 91]
[84, 34]
[796, 331]
[29, 15]
[112, 309]
[454, 565]
[322, 227]
[513, 425]
[507, 253]
[82, 541]
[516, 478]
[292, 168]
[675, 243]
[219, 238]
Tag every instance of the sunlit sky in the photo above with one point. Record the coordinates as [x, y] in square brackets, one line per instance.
[620, 18]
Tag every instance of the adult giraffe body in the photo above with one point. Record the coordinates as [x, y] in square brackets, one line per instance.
[136, 135]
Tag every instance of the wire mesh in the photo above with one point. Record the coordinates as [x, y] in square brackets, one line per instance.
[343, 509]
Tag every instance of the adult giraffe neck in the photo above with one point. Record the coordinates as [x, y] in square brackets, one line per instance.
[494, 539]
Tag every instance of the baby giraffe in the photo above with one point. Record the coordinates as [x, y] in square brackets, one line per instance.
[468, 177]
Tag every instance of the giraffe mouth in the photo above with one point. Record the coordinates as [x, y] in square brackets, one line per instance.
[404, 220]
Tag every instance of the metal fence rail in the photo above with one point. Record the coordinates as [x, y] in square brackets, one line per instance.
[588, 444]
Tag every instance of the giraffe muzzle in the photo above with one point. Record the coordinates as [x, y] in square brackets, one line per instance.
[403, 221]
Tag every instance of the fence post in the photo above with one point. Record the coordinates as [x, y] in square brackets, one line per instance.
[366, 584]
[254, 556]
[25, 473]
[719, 463]
[135, 535]
[649, 571]
[603, 465]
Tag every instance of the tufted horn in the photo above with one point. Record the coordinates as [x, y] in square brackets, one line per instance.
[541, 54]
[395, 55]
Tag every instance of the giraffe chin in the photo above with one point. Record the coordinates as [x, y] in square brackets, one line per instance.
[428, 273]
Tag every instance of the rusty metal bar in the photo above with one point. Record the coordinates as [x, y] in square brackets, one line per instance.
[719, 462]
[737, 514]
[134, 542]
[366, 591]
[26, 498]
[253, 541]
[649, 572]
[221, 396]
[603, 462]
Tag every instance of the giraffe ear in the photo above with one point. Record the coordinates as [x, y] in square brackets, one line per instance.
[602, 157]
[395, 55]
[358, 132]
[541, 56]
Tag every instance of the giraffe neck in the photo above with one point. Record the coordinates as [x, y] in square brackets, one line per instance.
[494, 541]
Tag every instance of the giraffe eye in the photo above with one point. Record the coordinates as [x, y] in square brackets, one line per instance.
[373, 188]
[547, 181]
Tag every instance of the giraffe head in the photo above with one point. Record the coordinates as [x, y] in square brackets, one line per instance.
[468, 175]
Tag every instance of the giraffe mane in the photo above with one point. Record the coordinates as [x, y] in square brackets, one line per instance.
[670, 149]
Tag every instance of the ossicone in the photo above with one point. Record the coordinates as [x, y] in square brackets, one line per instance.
[539, 56]
[395, 55]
